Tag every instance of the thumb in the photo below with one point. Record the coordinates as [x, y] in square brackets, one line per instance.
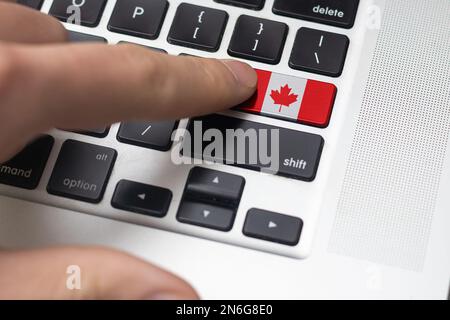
[94, 273]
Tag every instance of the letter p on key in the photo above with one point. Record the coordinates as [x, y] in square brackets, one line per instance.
[138, 11]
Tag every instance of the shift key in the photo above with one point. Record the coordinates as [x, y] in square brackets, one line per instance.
[255, 146]
[82, 171]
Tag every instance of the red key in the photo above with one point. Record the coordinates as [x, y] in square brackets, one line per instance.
[296, 99]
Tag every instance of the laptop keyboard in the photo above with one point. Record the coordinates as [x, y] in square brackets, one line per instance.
[211, 198]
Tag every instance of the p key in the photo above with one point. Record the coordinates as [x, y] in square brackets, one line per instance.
[139, 18]
[198, 27]
[258, 39]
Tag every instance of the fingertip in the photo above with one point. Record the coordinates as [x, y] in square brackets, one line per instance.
[168, 286]
[244, 74]
[58, 32]
[140, 279]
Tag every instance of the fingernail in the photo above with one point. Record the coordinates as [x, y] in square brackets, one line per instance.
[243, 73]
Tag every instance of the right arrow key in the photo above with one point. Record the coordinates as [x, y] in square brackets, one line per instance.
[274, 227]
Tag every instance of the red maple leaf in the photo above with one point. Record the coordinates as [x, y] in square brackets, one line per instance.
[283, 97]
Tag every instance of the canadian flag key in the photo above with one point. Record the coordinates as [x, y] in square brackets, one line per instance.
[296, 99]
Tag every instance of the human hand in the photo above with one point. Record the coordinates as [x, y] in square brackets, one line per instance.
[45, 83]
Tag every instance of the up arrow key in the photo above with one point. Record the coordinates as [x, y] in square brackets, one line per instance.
[272, 225]
[216, 180]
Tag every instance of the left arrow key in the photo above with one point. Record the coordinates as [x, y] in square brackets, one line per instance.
[141, 198]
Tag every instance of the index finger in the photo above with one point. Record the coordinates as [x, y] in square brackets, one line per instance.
[86, 86]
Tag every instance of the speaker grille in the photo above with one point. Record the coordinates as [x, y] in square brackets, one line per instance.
[387, 200]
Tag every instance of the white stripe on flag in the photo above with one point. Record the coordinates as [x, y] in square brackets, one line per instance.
[297, 86]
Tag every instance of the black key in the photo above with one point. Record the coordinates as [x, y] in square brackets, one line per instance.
[339, 13]
[90, 11]
[147, 47]
[82, 37]
[249, 4]
[82, 171]
[258, 39]
[319, 52]
[198, 27]
[214, 186]
[26, 168]
[97, 133]
[273, 227]
[298, 157]
[35, 4]
[141, 198]
[206, 215]
[152, 135]
[139, 18]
